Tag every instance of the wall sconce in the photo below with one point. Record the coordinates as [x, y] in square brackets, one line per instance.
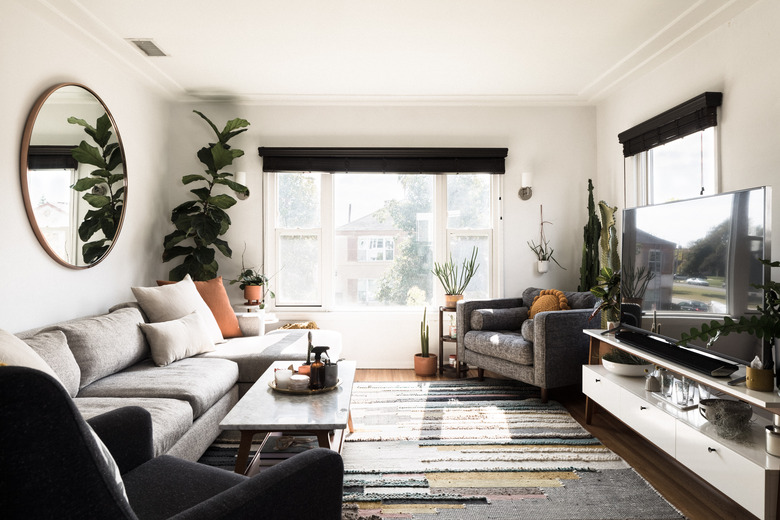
[525, 186]
[241, 179]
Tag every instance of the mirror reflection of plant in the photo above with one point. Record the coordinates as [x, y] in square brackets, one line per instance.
[635, 281]
[199, 223]
[764, 326]
[101, 194]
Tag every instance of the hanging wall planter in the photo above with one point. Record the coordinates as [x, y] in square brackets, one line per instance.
[543, 266]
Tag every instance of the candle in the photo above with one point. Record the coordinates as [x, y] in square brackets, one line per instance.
[283, 378]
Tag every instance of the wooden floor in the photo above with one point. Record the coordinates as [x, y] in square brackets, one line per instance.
[695, 499]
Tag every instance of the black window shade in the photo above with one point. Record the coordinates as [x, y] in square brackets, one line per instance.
[687, 118]
[380, 160]
[47, 157]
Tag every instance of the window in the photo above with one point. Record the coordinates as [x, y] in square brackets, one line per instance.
[347, 240]
[673, 155]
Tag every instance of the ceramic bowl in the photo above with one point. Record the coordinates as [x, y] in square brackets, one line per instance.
[623, 369]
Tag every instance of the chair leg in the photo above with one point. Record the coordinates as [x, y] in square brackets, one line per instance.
[481, 374]
[545, 394]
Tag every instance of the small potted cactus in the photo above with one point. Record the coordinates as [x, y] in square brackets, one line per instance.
[424, 362]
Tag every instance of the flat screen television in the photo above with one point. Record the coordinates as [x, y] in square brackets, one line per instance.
[703, 254]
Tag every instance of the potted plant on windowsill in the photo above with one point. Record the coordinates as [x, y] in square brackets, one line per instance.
[255, 286]
[424, 362]
[542, 250]
[454, 279]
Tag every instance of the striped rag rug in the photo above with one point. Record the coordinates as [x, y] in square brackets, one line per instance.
[483, 450]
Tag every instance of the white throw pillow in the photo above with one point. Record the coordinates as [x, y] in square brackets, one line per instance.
[110, 462]
[177, 339]
[174, 301]
[15, 352]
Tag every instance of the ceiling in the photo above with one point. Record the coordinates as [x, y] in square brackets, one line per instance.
[392, 51]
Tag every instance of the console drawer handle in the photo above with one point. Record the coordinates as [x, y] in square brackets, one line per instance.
[711, 449]
[598, 380]
[643, 407]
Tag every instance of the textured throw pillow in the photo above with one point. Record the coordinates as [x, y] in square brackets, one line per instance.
[52, 346]
[527, 330]
[177, 339]
[171, 302]
[105, 344]
[214, 294]
[113, 469]
[15, 352]
[548, 300]
[498, 319]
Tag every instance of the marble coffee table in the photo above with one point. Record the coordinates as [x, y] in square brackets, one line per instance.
[263, 410]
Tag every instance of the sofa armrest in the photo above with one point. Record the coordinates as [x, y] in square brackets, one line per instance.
[560, 345]
[302, 487]
[463, 311]
[127, 433]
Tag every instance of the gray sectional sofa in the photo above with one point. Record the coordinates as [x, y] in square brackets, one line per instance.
[104, 363]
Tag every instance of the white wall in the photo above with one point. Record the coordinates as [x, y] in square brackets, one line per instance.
[35, 289]
[735, 59]
[556, 143]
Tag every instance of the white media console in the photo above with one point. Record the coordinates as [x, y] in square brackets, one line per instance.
[743, 470]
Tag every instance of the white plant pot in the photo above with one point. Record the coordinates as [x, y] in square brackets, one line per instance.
[543, 266]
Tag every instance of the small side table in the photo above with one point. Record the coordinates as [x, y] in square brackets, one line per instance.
[444, 368]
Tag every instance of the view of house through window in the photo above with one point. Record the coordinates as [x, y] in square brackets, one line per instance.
[363, 240]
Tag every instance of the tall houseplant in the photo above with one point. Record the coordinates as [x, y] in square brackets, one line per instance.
[589, 269]
[199, 223]
[454, 279]
[106, 199]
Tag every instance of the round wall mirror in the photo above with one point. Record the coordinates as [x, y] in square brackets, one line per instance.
[74, 180]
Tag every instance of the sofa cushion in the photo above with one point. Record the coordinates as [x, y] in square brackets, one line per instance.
[507, 345]
[105, 344]
[254, 354]
[171, 418]
[201, 382]
[15, 352]
[214, 294]
[527, 330]
[177, 339]
[52, 346]
[171, 302]
[577, 300]
[498, 319]
[548, 300]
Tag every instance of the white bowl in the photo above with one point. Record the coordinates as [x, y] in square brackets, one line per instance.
[623, 369]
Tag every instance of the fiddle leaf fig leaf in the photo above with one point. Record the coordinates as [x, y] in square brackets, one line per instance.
[97, 201]
[221, 157]
[88, 154]
[187, 179]
[222, 201]
[202, 193]
[103, 131]
[206, 228]
[94, 251]
[223, 247]
[87, 183]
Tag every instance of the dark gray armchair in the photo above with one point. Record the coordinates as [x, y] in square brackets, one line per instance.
[51, 466]
[547, 351]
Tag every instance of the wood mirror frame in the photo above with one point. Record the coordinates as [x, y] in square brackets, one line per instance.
[39, 147]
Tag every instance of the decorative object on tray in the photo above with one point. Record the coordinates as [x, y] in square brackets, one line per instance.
[542, 250]
[730, 418]
[456, 280]
[625, 364]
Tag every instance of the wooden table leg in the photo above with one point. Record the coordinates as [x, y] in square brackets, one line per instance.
[323, 438]
[349, 423]
[244, 448]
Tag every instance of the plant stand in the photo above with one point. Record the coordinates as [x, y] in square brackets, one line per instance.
[445, 368]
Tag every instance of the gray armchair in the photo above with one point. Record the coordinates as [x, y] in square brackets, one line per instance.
[547, 351]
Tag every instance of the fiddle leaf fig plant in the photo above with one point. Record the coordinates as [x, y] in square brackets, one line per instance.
[106, 199]
[201, 222]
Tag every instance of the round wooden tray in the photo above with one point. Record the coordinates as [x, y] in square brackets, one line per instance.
[272, 384]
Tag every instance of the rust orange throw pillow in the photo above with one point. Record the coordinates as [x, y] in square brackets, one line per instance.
[548, 300]
[214, 294]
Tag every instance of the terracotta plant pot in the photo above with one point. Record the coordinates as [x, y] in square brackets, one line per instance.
[425, 366]
[450, 300]
[253, 294]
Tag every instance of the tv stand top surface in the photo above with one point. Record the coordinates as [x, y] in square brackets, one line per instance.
[767, 400]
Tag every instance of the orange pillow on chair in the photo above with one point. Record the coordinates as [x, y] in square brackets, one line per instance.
[214, 294]
[548, 300]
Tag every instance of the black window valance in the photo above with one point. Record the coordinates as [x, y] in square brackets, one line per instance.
[687, 118]
[48, 157]
[379, 160]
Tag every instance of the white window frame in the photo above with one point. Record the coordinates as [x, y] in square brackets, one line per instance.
[327, 242]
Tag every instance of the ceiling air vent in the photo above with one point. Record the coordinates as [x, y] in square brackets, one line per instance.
[147, 46]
